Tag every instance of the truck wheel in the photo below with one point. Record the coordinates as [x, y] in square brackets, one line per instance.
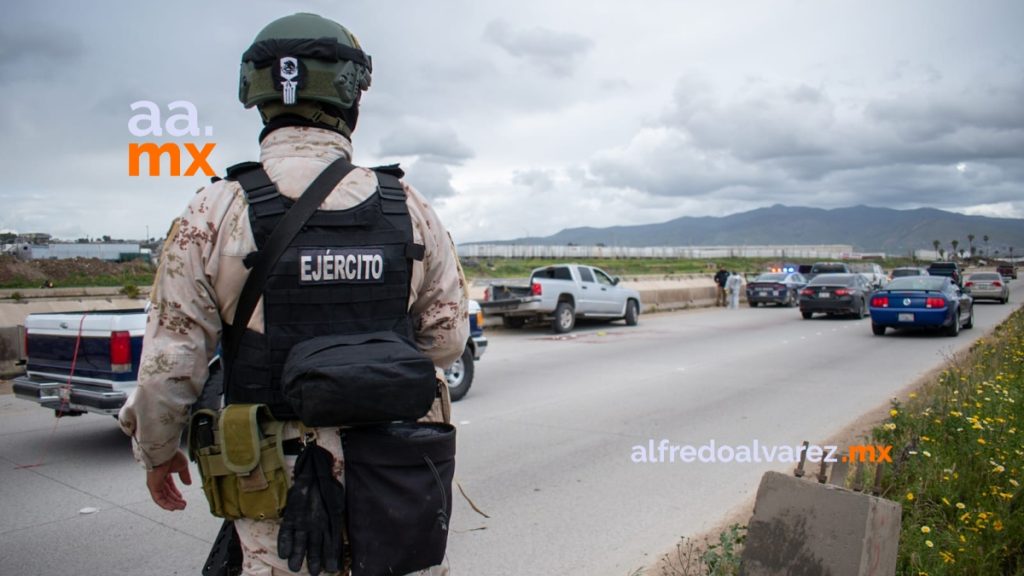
[513, 321]
[806, 314]
[460, 375]
[632, 313]
[565, 318]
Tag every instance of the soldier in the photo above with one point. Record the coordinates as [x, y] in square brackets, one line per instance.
[306, 75]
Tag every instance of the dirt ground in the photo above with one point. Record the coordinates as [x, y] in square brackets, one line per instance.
[56, 271]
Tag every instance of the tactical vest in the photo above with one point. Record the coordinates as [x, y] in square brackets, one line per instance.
[346, 272]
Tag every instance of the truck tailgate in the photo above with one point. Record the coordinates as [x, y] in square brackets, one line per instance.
[51, 341]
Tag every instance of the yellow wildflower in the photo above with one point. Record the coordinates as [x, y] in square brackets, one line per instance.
[910, 496]
[925, 530]
[893, 412]
[929, 543]
[960, 505]
[997, 526]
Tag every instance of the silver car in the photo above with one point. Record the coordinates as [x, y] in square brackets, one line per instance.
[988, 286]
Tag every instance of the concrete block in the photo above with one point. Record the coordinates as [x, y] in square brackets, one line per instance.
[802, 528]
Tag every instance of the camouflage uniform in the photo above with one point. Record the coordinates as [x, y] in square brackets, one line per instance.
[200, 278]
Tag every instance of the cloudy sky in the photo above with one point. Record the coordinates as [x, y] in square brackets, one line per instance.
[523, 118]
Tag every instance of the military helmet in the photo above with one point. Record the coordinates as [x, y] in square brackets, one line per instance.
[298, 64]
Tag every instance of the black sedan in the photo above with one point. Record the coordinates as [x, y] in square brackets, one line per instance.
[834, 294]
[781, 288]
[922, 302]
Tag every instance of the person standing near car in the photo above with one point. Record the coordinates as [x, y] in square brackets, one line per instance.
[734, 285]
[306, 75]
[720, 279]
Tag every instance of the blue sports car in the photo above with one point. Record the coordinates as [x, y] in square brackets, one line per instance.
[922, 302]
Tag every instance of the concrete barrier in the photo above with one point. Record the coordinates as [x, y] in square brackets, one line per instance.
[801, 527]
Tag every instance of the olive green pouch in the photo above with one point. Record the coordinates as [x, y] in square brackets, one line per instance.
[241, 461]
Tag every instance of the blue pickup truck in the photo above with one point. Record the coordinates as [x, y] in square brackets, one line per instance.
[89, 361]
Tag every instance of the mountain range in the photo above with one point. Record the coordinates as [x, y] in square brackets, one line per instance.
[867, 229]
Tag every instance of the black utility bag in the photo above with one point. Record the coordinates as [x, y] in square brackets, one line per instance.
[355, 379]
[398, 493]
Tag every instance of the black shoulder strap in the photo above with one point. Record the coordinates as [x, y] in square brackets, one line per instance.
[276, 244]
[392, 195]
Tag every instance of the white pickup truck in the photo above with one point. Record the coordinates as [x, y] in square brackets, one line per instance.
[82, 362]
[563, 293]
[89, 361]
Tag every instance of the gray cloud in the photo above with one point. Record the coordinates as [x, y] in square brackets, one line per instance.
[535, 179]
[415, 137]
[558, 53]
[798, 143]
[432, 179]
[40, 52]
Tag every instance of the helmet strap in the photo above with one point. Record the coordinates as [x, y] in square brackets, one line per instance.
[307, 110]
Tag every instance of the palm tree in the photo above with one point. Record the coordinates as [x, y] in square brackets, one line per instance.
[936, 244]
[970, 244]
[954, 244]
[942, 253]
[962, 251]
[985, 238]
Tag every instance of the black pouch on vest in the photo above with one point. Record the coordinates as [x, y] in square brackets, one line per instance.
[398, 492]
[351, 379]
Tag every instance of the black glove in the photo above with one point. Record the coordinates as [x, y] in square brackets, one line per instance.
[313, 515]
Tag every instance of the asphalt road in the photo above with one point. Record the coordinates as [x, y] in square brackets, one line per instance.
[545, 443]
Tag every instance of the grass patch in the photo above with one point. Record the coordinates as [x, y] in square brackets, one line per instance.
[960, 481]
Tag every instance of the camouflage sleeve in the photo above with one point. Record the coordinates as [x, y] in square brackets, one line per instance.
[439, 306]
[182, 330]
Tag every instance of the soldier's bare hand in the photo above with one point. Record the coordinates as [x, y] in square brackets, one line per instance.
[160, 481]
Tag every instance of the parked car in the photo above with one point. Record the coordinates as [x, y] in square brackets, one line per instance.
[1007, 270]
[563, 293]
[987, 286]
[835, 294]
[948, 269]
[871, 272]
[781, 288]
[460, 374]
[922, 302]
[907, 271]
[827, 268]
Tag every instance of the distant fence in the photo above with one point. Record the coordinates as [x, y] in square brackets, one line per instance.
[823, 252]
